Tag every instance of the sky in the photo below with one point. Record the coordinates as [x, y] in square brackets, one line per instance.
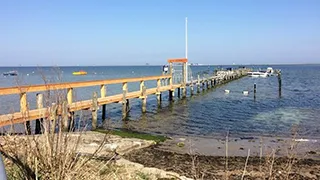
[136, 32]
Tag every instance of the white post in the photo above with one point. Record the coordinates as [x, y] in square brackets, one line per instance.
[186, 34]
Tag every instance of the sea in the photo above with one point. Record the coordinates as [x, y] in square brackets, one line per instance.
[271, 112]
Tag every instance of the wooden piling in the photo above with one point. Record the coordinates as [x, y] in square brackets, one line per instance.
[179, 92]
[171, 90]
[254, 90]
[24, 111]
[124, 99]
[191, 88]
[70, 100]
[144, 99]
[104, 107]
[198, 84]
[39, 122]
[184, 92]
[158, 93]
[185, 78]
[203, 84]
[53, 117]
[64, 116]
[279, 84]
[94, 110]
[170, 95]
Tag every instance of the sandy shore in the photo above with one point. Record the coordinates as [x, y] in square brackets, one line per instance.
[239, 146]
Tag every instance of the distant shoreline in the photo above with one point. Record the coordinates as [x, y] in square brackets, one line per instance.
[294, 64]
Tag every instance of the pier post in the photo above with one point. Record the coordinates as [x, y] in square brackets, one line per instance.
[125, 107]
[39, 106]
[94, 110]
[280, 84]
[179, 92]
[24, 111]
[185, 79]
[254, 90]
[158, 93]
[203, 84]
[144, 99]
[184, 92]
[70, 100]
[103, 94]
[53, 117]
[64, 116]
[198, 84]
[171, 85]
[191, 88]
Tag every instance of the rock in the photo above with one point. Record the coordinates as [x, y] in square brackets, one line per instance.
[111, 147]
[180, 144]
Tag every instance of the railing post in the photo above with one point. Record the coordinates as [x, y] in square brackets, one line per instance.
[191, 87]
[203, 84]
[24, 111]
[158, 91]
[171, 89]
[64, 115]
[185, 77]
[94, 110]
[39, 106]
[125, 107]
[53, 117]
[143, 96]
[103, 94]
[71, 123]
[198, 84]
[70, 95]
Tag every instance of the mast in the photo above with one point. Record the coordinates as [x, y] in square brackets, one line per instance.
[186, 39]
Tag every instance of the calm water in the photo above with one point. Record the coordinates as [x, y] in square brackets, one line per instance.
[209, 113]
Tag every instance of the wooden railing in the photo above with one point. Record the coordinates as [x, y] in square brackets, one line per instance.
[26, 114]
[65, 109]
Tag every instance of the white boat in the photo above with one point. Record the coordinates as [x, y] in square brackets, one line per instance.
[270, 71]
[258, 74]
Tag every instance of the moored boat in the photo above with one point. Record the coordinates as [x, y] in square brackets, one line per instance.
[79, 73]
[10, 73]
[258, 74]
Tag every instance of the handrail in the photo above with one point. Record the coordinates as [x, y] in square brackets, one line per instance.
[66, 85]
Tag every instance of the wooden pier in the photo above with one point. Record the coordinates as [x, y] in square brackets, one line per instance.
[65, 109]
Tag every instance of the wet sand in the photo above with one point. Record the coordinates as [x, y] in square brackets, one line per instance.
[198, 157]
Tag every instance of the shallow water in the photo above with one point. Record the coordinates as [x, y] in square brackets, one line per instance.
[209, 113]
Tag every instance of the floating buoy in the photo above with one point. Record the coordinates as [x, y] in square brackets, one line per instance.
[245, 92]
[227, 91]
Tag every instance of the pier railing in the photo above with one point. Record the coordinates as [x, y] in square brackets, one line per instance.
[41, 112]
[64, 108]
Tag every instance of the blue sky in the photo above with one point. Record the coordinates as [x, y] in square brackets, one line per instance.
[134, 32]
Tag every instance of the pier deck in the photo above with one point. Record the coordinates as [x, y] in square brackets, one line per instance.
[67, 108]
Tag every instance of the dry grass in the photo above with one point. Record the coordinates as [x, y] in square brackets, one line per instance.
[53, 154]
